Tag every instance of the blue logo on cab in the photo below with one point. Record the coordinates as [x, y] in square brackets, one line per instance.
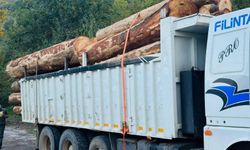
[232, 22]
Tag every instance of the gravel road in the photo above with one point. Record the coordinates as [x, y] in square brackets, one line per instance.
[19, 137]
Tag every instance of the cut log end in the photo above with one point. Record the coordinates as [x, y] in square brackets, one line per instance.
[82, 42]
[17, 110]
[48, 59]
[15, 99]
[15, 87]
[225, 6]
[181, 8]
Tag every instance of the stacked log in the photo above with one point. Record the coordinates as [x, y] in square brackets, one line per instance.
[15, 99]
[214, 7]
[147, 29]
[15, 87]
[145, 32]
[109, 42]
[125, 23]
[48, 59]
[225, 6]
[108, 45]
[17, 110]
[181, 8]
[140, 52]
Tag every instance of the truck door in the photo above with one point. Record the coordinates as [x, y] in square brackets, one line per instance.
[227, 72]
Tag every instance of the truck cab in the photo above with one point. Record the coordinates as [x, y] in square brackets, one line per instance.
[227, 97]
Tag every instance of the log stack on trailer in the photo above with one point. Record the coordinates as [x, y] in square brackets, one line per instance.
[43, 61]
[49, 59]
[15, 97]
[109, 42]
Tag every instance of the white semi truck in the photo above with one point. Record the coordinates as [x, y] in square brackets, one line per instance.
[194, 94]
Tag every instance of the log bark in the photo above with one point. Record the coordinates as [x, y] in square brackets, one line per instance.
[181, 8]
[15, 99]
[17, 110]
[125, 23]
[15, 87]
[143, 51]
[145, 32]
[48, 59]
[209, 9]
[80, 43]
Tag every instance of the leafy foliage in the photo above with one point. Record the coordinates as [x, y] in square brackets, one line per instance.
[124, 8]
[36, 24]
[240, 4]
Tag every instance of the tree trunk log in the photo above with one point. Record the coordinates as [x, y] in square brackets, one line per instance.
[80, 43]
[48, 59]
[209, 9]
[225, 6]
[15, 87]
[15, 99]
[145, 32]
[181, 8]
[125, 23]
[17, 110]
[143, 51]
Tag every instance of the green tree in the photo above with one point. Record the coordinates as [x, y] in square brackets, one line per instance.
[36, 24]
[240, 4]
[124, 8]
[4, 79]
[121, 9]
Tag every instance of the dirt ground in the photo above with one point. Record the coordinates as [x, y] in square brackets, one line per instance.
[19, 136]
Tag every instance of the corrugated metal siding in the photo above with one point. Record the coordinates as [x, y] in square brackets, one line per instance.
[93, 100]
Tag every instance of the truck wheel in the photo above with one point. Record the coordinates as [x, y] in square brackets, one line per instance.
[72, 139]
[49, 138]
[100, 143]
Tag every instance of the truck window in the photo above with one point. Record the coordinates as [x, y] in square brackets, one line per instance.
[228, 52]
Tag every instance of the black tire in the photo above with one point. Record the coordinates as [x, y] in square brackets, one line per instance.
[49, 138]
[100, 142]
[73, 139]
